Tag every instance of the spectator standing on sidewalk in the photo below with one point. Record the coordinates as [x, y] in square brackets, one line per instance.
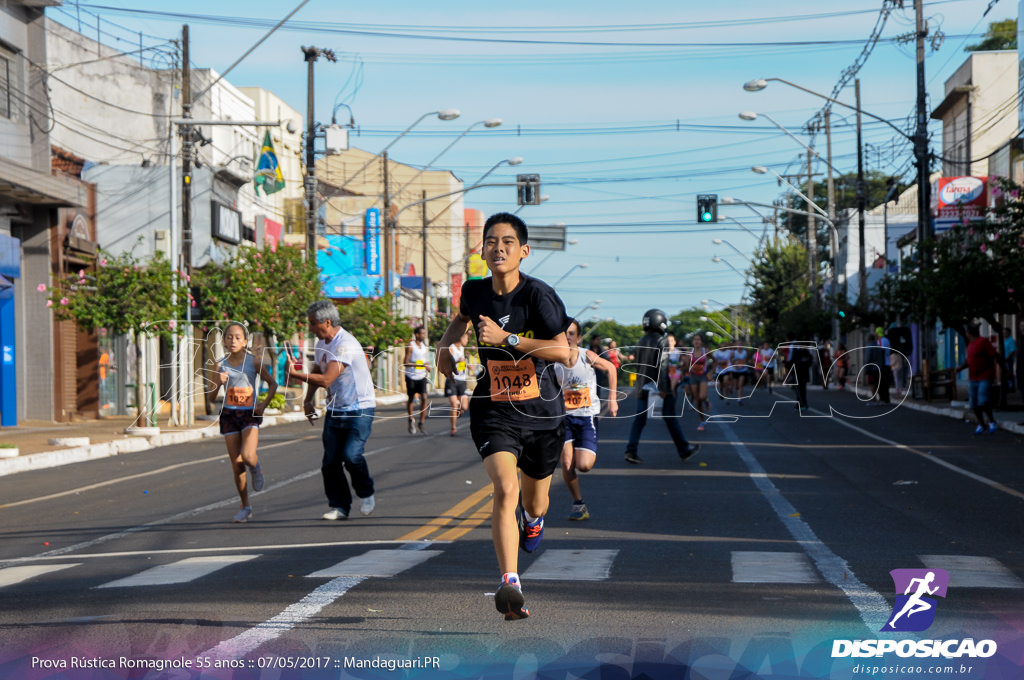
[885, 367]
[1010, 356]
[981, 363]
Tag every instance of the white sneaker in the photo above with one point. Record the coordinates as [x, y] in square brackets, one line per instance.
[335, 514]
[368, 505]
[244, 515]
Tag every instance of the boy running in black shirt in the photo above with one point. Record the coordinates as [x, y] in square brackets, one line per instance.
[516, 411]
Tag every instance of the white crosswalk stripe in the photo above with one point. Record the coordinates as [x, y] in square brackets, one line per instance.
[772, 567]
[571, 565]
[181, 571]
[378, 563]
[969, 571]
[551, 564]
[12, 575]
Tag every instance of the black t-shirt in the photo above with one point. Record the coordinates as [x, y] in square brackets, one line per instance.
[526, 392]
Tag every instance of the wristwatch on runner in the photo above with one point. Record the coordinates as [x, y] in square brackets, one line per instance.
[512, 340]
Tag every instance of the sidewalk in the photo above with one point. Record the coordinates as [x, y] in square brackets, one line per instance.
[43, 444]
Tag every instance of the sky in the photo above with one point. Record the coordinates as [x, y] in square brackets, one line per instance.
[626, 110]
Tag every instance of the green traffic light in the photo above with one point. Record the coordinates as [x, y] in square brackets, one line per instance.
[842, 314]
[705, 216]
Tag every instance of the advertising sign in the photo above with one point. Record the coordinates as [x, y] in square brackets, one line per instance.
[958, 198]
[456, 290]
[272, 233]
[227, 223]
[371, 237]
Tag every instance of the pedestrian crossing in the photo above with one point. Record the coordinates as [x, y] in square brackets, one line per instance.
[550, 564]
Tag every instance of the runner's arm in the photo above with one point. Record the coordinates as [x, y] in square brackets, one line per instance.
[456, 329]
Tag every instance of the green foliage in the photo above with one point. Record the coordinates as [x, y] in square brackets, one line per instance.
[974, 270]
[278, 401]
[267, 290]
[120, 294]
[780, 295]
[1001, 35]
[370, 320]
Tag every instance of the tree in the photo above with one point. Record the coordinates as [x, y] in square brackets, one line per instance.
[124, 296]
[971, 271]
[371, 321]
[1001, 35]
[267, 290]
[780, 295]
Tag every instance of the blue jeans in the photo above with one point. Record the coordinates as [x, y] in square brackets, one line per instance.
[671, 422]
[344, 438]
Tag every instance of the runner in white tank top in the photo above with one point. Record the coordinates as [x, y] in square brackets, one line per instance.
[416, 362]
[582, 407]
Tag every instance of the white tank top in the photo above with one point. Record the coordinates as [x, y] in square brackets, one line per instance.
[579, 386]
[459, 357]
[240, 389]
[419, 358]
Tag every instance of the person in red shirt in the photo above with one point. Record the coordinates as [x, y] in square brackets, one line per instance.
[981, 363]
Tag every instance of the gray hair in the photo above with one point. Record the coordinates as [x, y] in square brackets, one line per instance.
[324, 310]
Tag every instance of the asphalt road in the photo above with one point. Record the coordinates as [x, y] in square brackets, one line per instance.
[752, 557]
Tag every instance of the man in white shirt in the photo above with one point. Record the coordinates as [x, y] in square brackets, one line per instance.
[341, 368]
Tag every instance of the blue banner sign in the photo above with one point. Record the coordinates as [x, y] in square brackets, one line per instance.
[371, 237]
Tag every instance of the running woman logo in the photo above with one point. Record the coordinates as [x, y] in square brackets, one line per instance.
[914, 610]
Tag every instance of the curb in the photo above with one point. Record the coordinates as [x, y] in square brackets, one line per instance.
[136, 443]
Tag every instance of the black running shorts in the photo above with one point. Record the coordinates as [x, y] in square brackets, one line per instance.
[537, 451]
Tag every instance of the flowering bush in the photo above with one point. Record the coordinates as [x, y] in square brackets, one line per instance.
[370, 320]
[267, 290]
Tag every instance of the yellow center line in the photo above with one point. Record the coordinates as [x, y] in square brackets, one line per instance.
[452, 514]
[468, 524]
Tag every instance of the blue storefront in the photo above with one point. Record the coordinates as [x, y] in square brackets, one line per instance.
[10, 272]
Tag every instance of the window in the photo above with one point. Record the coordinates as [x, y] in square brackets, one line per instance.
[5, 85]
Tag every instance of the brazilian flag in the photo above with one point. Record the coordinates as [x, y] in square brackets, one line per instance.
[268, 172]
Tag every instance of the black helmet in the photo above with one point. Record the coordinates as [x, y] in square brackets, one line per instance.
[655, 321]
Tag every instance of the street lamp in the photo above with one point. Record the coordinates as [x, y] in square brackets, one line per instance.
[582, 265]
[490, 123]
[719, 241]
[764, 231]
[593, 305]
[443, 114]
[727, 263]
[920, 142]
[812, 230]
[711, 321]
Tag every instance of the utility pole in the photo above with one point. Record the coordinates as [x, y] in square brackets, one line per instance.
[387, 227]
[862, 285]
[924, 222]
[833, 237]
[186, 158]
[312, 54]
[927, 348]
[812, 232]
[423, 280]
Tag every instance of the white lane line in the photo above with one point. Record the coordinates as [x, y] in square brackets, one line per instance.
[233, 501]
[930, 457]
[219, 549]
[293, 615]
[99, 485]
[873, 608]
[12, 575]
[306, 608]
[970, 571]
[571, 565]
[181, 571]
[772, 567]
[378, 563]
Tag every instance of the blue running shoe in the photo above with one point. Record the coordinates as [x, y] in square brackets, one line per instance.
[509, 599]
[530, 534]
[257, 478]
